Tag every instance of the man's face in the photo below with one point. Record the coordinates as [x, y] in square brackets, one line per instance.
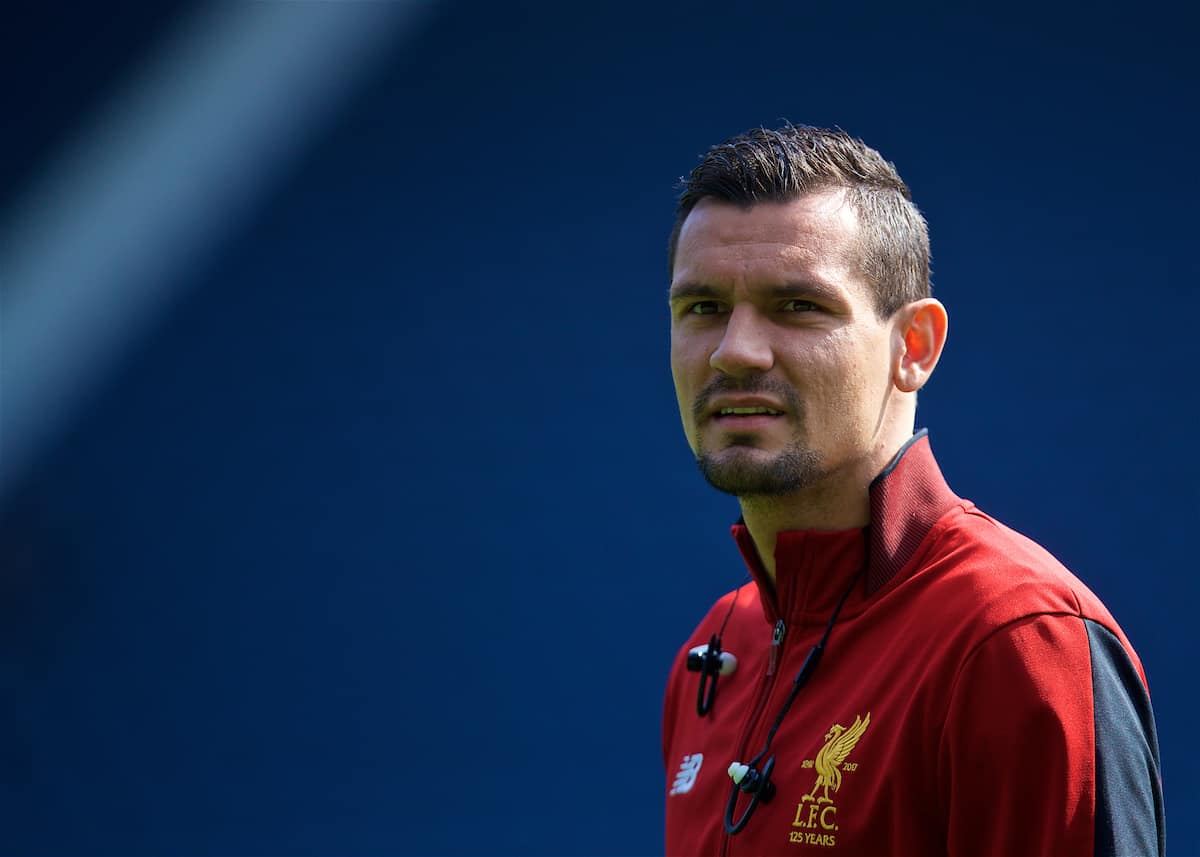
[782, 369]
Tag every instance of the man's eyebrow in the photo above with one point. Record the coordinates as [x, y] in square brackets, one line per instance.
[797, 289]
[685, 291]
[805, 289]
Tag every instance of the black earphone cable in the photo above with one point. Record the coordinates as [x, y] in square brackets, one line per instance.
[757, 784]
[736, 595]
[709, 663]
[810, 664]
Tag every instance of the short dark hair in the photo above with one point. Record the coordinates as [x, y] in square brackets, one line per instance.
[790, 162]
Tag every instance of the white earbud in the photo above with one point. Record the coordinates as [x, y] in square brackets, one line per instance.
[728, 659]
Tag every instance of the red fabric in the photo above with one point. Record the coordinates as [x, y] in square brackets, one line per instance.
[1017, 769]
[969, 656]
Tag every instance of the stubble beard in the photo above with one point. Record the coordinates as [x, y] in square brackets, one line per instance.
[736, 470]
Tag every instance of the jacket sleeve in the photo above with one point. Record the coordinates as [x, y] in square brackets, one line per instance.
[1040, 754]
[670, 709]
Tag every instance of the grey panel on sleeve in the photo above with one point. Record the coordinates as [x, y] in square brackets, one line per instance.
[1129, 801]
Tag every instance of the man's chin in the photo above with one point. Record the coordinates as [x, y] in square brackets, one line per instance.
[746, 471]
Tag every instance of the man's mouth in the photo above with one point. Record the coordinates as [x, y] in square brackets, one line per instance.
[741, 412]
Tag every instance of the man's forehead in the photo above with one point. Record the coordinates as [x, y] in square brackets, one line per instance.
[820, 228]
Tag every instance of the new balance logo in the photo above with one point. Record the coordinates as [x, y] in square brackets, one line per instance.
[688, 769]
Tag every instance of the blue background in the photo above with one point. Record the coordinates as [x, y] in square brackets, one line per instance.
[382, 540]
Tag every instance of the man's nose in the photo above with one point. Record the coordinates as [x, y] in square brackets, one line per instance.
[745, 346]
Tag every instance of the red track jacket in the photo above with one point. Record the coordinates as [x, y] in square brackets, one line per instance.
[974, 697]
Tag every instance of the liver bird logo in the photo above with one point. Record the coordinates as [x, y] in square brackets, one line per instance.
[839, 741]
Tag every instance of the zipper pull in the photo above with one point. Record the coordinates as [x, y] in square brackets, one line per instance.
[776, 640]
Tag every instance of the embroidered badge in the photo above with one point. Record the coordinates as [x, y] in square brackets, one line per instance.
[685, 778]
[816, 814]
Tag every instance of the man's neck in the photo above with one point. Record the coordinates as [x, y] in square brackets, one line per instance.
[839, 501]
[766, 517]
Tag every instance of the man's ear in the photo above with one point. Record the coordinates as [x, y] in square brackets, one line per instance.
[921, 328]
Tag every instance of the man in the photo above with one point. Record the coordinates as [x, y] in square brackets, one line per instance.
[903, 674]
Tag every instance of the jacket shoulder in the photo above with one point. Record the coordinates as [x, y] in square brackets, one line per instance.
[1009, 573]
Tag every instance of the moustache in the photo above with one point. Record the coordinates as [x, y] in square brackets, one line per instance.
[751, 386]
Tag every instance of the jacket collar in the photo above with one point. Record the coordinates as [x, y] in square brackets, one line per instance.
[813, 568]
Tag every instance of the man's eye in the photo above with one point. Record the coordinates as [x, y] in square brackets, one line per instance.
[796, 305]
[704, 308]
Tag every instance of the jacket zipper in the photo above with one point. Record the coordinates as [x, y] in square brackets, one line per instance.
[760, 703]
[776, 642]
